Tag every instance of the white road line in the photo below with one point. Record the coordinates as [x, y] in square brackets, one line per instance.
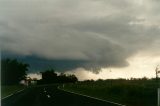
[48, 96]
[12, 94]
[92, 97]
[19, 91]
[44, 90]
[7, 96]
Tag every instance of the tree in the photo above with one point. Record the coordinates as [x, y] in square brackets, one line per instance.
[72, 78]
[49, 76]
[12, 71]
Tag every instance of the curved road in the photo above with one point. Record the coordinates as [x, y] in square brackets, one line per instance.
[50, 96]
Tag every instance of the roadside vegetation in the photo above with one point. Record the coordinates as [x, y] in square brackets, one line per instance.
[12, 72]
[133, 92]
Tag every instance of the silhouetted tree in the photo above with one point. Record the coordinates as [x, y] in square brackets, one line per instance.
[12, 71]
[49, 76]
[62, 78]
[72, 78]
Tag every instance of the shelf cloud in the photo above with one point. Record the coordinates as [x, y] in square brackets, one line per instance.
[90, 34]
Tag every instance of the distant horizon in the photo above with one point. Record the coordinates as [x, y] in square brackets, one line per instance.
[38, 76]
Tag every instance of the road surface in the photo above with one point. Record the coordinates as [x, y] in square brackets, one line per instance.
[50, 96]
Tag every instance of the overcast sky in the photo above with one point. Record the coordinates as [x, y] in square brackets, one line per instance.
[97, 33]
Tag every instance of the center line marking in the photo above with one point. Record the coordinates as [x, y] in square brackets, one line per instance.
[48, 96]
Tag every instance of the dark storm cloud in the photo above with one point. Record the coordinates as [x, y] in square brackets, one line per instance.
[90, 34]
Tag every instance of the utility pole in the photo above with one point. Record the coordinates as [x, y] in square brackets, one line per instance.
[157, 80]
[157, 72]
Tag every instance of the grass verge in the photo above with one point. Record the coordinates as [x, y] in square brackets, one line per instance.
[130, 93]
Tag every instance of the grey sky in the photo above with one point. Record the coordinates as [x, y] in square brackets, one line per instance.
[101, 32]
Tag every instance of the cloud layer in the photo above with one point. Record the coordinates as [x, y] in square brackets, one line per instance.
[95, 33]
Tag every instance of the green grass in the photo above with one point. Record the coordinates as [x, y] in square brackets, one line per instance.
[9, 89]
[130, 93]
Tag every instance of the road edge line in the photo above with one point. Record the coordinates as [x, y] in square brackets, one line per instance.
[92, 97]
[18, 91]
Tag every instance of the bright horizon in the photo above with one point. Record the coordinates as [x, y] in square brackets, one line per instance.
[140, 66]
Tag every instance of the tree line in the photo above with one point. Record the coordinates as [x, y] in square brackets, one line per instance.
[13, 71]
[49, 76]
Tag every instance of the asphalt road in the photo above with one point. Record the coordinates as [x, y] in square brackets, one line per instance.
[50, 96]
